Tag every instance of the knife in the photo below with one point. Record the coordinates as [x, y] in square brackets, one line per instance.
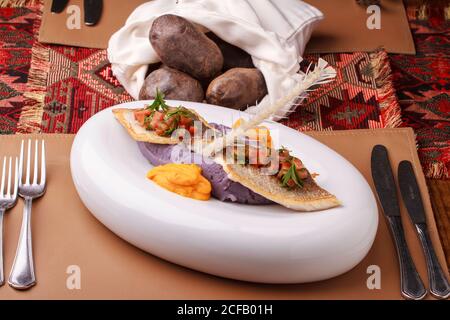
[439, 286]
[411, 285]
[58, 6]
[92, 11]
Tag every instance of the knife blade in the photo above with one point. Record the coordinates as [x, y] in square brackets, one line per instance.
[410, 192]
[384, 181]
[409, 188]
[411, 284]
[92, 11]
[58, 6]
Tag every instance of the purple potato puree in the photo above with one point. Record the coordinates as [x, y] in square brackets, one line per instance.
[223, 188]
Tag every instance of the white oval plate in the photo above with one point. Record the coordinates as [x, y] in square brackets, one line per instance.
[269, 244]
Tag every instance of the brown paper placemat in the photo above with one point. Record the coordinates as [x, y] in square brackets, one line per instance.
[65, 234]
[343, 29]
[115, 12]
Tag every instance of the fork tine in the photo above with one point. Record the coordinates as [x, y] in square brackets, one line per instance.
[21, 163]
[27, 178]
[36, 151]
[8, 189]
[43, 172]
[16, 179]
[2, 187]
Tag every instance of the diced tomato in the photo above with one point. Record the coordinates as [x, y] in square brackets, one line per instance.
[285, 165]
[154, 123]
[283, 156]
[163, 126]
[291, 183]
[170, 121]
[141, 115]
[185, 121]
[298, 163]
[158, 116]
[302, 173]
[192, 130]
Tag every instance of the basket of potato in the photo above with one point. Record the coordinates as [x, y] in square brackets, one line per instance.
[197, 66]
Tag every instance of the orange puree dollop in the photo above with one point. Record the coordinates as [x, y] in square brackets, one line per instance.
[183, 179]
[260, 134]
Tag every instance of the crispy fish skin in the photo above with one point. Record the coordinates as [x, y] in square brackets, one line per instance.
[310, 197]
[138, 133]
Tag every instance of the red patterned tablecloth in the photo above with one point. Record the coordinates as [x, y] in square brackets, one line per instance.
[52, 88]
[55, 89]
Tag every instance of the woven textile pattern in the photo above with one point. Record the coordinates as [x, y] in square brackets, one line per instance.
[360, 97]
[79, 84]
[52, 88]
[16, 42]
[423, 86]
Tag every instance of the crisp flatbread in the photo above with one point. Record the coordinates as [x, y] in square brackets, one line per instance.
[139, 133]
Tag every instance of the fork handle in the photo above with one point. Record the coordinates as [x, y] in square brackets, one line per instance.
[22, 274]
[2, 274]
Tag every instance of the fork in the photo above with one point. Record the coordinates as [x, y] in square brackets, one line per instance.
[8, 199]
[22, 274]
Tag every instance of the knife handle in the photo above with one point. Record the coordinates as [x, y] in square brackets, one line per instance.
[439, 286]
[412, 287]
[92, 11]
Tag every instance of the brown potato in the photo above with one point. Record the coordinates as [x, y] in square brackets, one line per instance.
[175, 85]
[180, 45]
[152, 67]
[233, 57]
[237, 88]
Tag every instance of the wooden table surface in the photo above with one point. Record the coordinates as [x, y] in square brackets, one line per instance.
[440, 199]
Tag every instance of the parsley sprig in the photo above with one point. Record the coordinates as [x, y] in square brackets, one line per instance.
[176, 113]
[158, 103]
[291, 174]
[179, 111]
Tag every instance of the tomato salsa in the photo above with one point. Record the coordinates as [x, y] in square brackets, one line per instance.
[164, 120]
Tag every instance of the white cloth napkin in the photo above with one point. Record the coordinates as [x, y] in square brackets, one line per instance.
[274, 33]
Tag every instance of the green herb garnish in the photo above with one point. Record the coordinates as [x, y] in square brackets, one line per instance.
[158, 103]
[168, 132]
[291, 174]
[180, 111]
